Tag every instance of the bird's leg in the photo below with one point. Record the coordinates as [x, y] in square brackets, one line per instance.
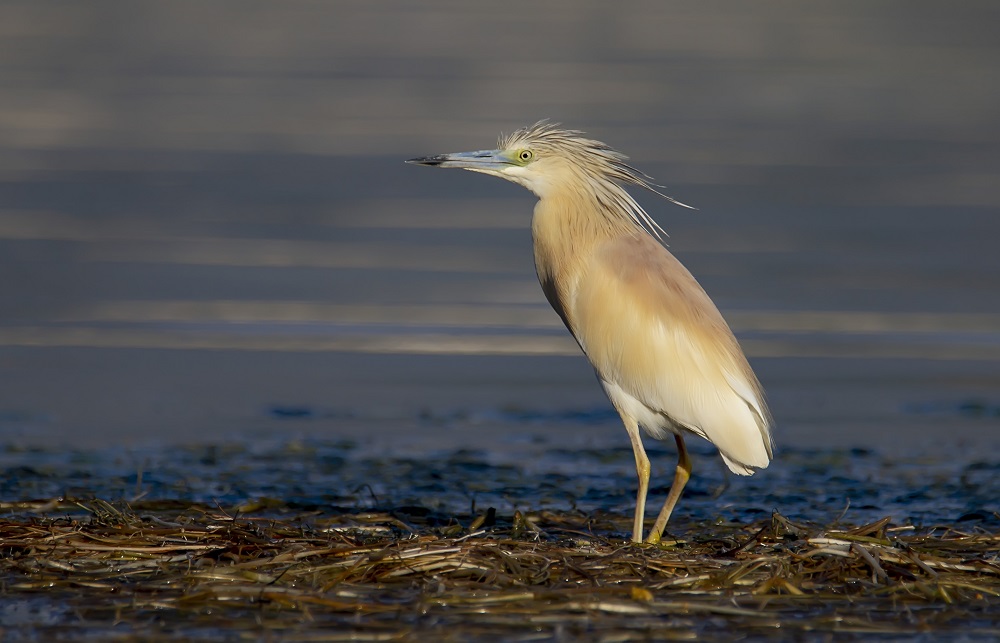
[642, 469]
[681, 477]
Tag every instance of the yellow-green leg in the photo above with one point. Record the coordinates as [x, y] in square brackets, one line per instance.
[682, 475]
[642, 469]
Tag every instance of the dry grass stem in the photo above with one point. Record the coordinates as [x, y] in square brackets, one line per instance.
[379, 579]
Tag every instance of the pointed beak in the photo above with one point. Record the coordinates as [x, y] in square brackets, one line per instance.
[482, 161]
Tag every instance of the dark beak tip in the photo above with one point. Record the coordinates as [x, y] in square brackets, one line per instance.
[425, 160]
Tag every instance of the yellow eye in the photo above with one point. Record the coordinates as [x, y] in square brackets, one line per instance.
[524, 156]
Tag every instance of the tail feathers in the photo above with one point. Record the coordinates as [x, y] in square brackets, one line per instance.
[743, 449]
[739, 468]
[749, 390]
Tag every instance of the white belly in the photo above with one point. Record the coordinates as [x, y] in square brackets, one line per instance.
[656, 424]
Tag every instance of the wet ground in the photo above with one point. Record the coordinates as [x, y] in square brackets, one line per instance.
[312, 540]
[222, 285]
[856, 486]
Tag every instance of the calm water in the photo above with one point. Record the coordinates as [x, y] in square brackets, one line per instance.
[208, 236]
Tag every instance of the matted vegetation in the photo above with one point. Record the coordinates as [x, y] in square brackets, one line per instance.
[164, 570]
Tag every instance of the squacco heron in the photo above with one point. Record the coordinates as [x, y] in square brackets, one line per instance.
[662, 351]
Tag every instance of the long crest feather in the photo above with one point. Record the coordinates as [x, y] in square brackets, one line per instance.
[601, 162]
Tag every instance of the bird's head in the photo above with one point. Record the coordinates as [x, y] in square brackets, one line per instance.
[546, 159]
[527, 157]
